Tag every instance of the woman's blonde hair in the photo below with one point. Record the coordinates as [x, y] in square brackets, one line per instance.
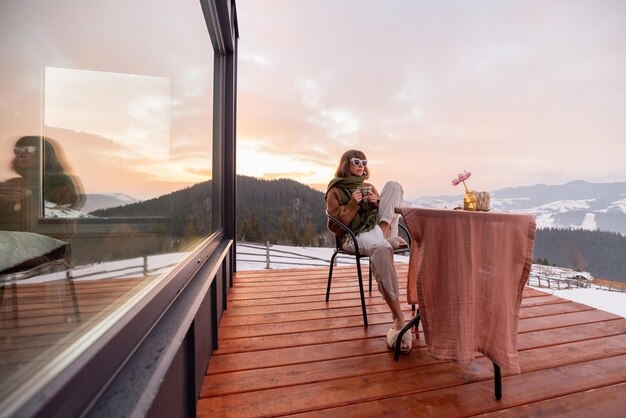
[344, 163]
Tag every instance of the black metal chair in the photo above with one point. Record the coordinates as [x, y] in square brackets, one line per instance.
[357, 254]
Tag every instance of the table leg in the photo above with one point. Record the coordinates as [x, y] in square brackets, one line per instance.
[497, 381]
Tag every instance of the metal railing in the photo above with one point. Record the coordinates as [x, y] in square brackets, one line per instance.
[552, 282]
[560, 278]
[269, 255]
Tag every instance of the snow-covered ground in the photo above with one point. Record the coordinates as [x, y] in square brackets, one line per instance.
[121, 269]
[253, 257]
[613, 302]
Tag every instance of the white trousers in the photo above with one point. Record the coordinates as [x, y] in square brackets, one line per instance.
[374, 243]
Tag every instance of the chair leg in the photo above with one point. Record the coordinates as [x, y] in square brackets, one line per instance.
[330, 275]
[407, 328]
[70, 282]
[370, 269]
[360, 276]
[16, 312]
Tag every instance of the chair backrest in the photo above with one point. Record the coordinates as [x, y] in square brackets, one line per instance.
[337, 241]
[348, 232]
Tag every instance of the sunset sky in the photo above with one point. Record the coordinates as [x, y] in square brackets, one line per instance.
[518, 92]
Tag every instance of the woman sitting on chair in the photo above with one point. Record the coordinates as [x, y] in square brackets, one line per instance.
[372, 219]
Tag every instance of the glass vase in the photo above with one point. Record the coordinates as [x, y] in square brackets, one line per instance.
[469, 200]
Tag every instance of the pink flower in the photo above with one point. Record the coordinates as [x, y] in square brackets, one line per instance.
[461, 178]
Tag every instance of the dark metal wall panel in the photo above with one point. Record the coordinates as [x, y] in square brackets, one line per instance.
[203, 341]
[219, 290]
[227, 280]
[172, 400]
[214, 317]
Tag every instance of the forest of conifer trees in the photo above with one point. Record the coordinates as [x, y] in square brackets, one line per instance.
[280, 211]
[601, 253]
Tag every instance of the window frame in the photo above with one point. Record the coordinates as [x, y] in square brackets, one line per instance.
[78, 383]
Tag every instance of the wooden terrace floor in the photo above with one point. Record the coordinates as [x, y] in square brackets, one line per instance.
[284, 351]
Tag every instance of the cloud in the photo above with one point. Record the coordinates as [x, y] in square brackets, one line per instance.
[288, 175]
[338, 123]
[257, 59]
[310, 91]
[519, 95]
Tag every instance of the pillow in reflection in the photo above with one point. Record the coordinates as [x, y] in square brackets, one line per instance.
[20, 251]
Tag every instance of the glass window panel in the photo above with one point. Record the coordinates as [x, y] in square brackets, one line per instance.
[106, 166]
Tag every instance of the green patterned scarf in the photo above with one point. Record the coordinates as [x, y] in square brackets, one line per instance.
[367, 216]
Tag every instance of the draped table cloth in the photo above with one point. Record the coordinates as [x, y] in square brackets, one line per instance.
[467, 271]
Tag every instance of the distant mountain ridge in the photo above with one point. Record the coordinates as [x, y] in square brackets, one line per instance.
[280, 211]
[577, 204]
[95, 201]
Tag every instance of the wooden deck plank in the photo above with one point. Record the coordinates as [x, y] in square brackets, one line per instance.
[282, 306]
[300, 339]
[607, 401]
[256, 330]
[355, 309]
[530, 360]
[319, 303]
[304, 299]
[286, 351]
[270, 318]
[583, 331]
[477, 397]
[39, 321]
[542, 300]
[377, 329]
[238, 361]
[552, 309]
[563, 320]
[431, 381]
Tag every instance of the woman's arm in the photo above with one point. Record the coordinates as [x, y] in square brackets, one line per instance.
[345, 213]
[13, 190]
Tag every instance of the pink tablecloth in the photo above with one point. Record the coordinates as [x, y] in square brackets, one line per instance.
[468, 270]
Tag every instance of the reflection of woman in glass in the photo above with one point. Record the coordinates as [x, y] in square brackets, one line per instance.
[59, 186]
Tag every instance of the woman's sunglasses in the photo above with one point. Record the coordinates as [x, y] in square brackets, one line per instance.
[28, 150]
[357, 161]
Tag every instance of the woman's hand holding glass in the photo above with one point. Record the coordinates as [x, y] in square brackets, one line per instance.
[363, 193]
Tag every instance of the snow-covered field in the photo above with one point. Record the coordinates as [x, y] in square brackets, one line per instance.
[613, 302]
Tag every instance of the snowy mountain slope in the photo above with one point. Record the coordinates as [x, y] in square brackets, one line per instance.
[105, 201]
[577, 204]
[92, 202]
